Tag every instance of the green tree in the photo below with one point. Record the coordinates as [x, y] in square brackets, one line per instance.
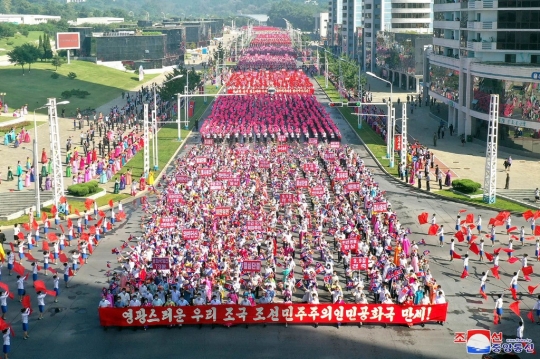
[31, 53]
[47, 49]
[17, 57]
[57, 61]
[169, 89]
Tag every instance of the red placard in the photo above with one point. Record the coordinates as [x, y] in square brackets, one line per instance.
[380, 207]
[309, 167]
[223, 211]
[286, 198]
[182, 179]
[167, 222]
[68, 40]
[334, 144]
[281, 138]
[302, 183]
[352, 187]
[254, 225]
[313, 141]
[204, 172]
[273, 313]
[208, 141]
[251, 266]
[234, 182]
[175, 198]
[342, 175]
[216, 186]
[224, 175]
[282, 148]
[350, 244]
[190, 234]
[397, 142]
[264, 164]
[201, 160]
[317, 191]
[330, 156]
[359, 263]
[161, 263]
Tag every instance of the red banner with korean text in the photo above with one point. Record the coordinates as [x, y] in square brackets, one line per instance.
[397, 142]
[273, 313]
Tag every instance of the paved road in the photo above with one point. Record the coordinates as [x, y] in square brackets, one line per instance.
[74, 330]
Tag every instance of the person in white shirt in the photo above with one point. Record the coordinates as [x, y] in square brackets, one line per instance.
[245, 302]
[522, 235]
[514, 280]
[6, 333]
[104, 303]
[440, 233]
[479, 224]
[524, 260]
[519, 331]
[182, 302]
[75, 261]
[3, 303]
[20, 287]
[134, 302]
[433, 219]
[199, 301]
[215, 300]
[10, 260]
[56, 287]
[537, 309]
[41, 303]
[25, 312]
[481, 250]
[452, 248]
[483, 281]
[499, 307]
[440, 299]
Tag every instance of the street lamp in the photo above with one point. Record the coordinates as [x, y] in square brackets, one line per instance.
[35, 155]
[390, 123]
[178, 109]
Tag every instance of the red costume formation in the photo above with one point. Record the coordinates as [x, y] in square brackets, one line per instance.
[252, 82]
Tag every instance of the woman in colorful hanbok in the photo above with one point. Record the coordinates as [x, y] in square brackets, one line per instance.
[103, 177]
[82, 163]
[151, 178]
[99, 169]
[27, 179]
[109, 172]
[28, 164]
[68, 171]
[32, 174]
[68, 156]
[122, 182]
[128, 177]
[48, 184]
[80, 177]
[87, 177]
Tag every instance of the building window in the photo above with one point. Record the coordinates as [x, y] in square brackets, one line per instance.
[510, 58]
[535, 59]
[368, 6]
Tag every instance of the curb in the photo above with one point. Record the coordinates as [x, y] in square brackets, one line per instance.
[396, 180]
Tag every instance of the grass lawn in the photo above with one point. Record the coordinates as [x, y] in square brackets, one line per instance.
[375, 142]
[36, 86]
[500, 204]
[18, 40]
[28, 125]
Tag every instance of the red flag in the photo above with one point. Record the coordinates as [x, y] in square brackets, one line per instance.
[503, 216]
[69, 223]
[52, 236]
[489, 256]
[528, 270]
[462, 210]
[464, 274]
[459, 236]
[433, 229]
[26, 303]
[423, 218]
[528, 214]
[514, 307]
[50, 269]
[30, 257]
[455, 255]
[88, 203]
[20, 235]
[474, 248]
[497, 250]
[35, 225]
[90, 248]
[77, 212]
[469, 218]
[84, 236]
[511, 229]
[26, 226]
[483, 294]
[536, 214]
[70, 272]
[101, 213]
[495, 317]
[495, 271]
[63, 258]
[537, 231]
[109, 226]
[118, 217]
[44, 216]
[111, 203]
[4, 325]
[531, 288]
[54, 210]
[530, 315]
[39, 286]
[81, 261]
[45, 246]
[18, 268]
[62, 228]
[513, 260]
[529, 238]
[514, 293]
[98, 224]
[63, 199]
[92, 230]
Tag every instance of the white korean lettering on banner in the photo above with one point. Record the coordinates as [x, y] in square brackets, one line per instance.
[160, 263]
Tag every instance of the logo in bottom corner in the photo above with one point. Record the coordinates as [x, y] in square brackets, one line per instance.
[478, 341]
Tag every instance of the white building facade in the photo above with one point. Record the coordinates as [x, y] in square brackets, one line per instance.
[484, 47]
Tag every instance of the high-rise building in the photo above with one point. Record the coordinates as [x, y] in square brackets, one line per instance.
[345, 17]
[485, 47]
[393, 16]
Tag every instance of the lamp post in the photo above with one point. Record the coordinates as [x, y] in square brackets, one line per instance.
[390, 121]
[35, 155]
[178, 105]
